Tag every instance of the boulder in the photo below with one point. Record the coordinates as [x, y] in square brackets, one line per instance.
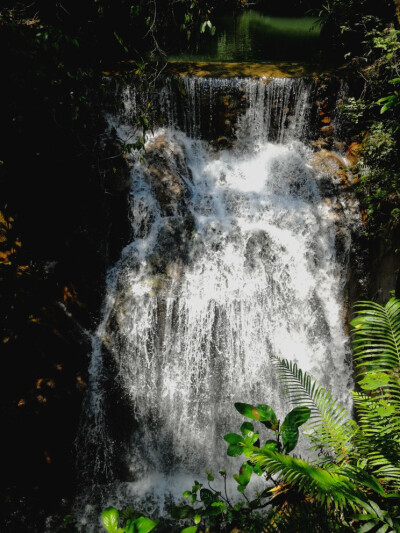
[327, 130]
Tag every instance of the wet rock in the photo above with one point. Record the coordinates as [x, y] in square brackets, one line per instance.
[339, 146]
[353, 153]
[327, 162]
[168, 174]
[327, 130]
[224, 142]
[319, 143]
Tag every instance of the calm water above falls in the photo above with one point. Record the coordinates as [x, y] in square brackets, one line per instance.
[232, 260]
[255, 36]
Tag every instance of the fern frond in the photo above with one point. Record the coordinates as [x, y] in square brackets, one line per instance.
[376, 341]
[376, 345]
[329, 487]
[330, 426]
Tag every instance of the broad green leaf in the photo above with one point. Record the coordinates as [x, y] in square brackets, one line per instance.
[191, 529]
[144, 524]
[374, 381]
[263, 413]
[244, 475]
[233, 438]
[234, 450]
[110, 517]
[187, 494]
[268, 416]
[290, 436]
[289, 429]
[249, 441]
[298, 416]
[248, 410]
[197, 519]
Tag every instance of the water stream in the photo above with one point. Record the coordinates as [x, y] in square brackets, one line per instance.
[234, 258]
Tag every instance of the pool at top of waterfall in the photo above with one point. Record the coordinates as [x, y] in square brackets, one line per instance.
[233, 259]
[255, 36]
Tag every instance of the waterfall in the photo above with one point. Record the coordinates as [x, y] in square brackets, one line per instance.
[234, 258]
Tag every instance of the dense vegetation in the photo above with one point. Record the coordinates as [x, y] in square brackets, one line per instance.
[54, 147]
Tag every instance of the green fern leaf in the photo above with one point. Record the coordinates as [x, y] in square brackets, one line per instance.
[330, 426]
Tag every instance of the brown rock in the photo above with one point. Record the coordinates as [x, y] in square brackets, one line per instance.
[353, 153]
[328, 162]
[327, 130]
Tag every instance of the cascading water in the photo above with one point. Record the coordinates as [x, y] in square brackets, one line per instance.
[233, 259]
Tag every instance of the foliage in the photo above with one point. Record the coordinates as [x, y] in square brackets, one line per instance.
[216, 509]
[330, 429]
[391, 101]
[371, 120]
[133, 522]
[345, 23]
[377, 359]
[364, 482]
[379, 178]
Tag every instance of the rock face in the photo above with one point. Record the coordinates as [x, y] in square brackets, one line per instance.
[168, 175]
[353, 153]
[327, 162]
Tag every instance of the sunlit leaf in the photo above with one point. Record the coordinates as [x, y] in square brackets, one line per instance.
[110, 518]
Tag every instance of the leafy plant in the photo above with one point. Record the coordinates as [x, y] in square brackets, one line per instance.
[133, 523]
[215, 508]
[363, 477]
[392, 100]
